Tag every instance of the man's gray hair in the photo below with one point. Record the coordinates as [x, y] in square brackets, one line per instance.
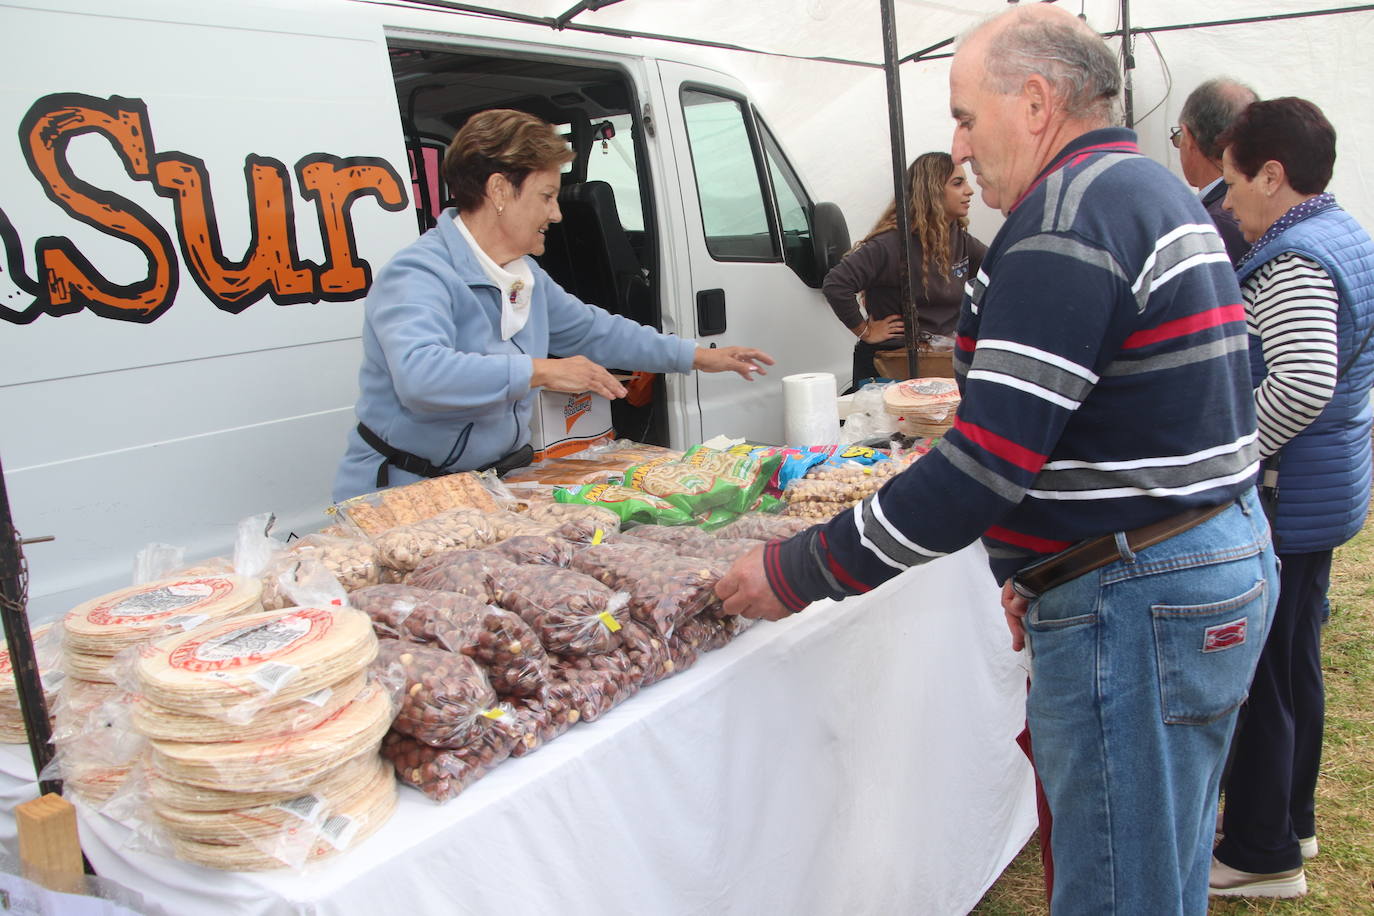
[1211, 108]
[1072, 58]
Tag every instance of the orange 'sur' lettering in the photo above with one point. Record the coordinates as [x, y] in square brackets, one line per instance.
[70, 282]
[333, 183]
[270, 263]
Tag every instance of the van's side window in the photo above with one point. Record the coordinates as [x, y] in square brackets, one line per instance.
[734, 210]
[612, 160]
[794, 207]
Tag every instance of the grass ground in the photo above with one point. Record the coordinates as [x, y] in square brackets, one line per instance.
[1341, 879]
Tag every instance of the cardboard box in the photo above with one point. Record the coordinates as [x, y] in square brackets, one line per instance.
[567, 423]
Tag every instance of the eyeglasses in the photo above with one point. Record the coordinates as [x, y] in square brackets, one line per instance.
[1176, 136]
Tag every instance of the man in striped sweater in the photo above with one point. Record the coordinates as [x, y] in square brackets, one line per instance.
[1106, 420]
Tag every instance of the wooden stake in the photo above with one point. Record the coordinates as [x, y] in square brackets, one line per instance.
[49, 848]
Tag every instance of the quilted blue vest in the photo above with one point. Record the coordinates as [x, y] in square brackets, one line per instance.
[1324, 471]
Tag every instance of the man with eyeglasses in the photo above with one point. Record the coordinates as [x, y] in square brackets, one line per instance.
[1208, 111]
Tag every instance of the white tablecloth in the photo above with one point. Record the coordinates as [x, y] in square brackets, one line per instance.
[17, 785]
[856, 758]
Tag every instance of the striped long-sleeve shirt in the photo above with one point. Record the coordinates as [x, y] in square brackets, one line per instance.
[1290, 305]
[1103, 365]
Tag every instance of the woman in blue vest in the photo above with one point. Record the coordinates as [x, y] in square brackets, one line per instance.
[1308, 284]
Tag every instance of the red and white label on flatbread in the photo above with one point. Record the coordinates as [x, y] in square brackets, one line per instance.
[164, 600]
[234, 645]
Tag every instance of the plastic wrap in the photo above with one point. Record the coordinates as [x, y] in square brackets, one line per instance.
[404, 547]
[242, 667]
[443, 773]
[722, 551]
[355, 562]
[97, 630]
[676, 537]
[293, 762]
[537, 549]
[762, 526]
[292, 832]
[571, 613]
[467, 572]
[163, 724]
[373, 513]
[595, 684]
[445, 693]
[630, 505]
[664, 589]
[47, 651]
[500, 641]
[506, 524]
[647, 654]
[538, 720]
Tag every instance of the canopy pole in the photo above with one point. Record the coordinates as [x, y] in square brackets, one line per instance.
[13, 608]
[899, 195]
[1128, 62]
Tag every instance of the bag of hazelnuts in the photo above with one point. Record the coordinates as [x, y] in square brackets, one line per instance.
[572, 614]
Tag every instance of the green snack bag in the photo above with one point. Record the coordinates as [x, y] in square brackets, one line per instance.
[633, 506]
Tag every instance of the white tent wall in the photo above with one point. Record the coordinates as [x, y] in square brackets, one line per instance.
[832, 118]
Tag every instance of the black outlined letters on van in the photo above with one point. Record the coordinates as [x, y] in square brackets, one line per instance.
[66, 282]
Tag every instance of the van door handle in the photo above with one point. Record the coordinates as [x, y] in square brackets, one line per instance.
[710, 312]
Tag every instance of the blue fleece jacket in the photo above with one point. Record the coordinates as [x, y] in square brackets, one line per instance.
[438, 381]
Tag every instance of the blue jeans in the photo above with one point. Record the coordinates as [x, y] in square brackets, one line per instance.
[1137, 670]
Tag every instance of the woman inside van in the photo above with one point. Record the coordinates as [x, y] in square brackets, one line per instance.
[459, 325]
[943, 256]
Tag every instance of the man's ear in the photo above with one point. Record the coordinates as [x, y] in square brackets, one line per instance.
[1039, 101]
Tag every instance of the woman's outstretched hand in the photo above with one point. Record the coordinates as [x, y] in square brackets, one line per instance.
[744, 360]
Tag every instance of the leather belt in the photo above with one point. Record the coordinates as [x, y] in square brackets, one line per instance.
[1094, 553]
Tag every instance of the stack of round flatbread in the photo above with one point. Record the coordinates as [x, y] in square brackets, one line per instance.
[255, 665]
[923, 406]
[263, 734]
[291, 832]
[12, 730]
[100, 628]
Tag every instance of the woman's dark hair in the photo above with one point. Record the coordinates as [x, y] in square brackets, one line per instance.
[1290, 131]
[511, 143]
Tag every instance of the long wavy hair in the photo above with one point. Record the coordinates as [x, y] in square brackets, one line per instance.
[930, 223]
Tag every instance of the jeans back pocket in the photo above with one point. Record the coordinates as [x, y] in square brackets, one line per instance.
[1207, 654]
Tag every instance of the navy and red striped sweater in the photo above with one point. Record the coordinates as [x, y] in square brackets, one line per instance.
[1102, 361]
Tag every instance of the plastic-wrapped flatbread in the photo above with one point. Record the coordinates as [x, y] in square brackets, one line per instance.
[235, 669]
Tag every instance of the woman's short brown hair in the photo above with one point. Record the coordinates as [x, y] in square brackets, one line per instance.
[499, 141]
[1291, 131]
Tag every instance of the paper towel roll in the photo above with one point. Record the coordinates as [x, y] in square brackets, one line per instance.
[810, 414]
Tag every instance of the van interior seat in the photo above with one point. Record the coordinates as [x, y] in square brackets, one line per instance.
[590, 255]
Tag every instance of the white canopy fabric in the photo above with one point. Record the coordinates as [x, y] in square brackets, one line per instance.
[832, 117]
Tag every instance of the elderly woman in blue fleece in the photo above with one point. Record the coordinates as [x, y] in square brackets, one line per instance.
[459, 325]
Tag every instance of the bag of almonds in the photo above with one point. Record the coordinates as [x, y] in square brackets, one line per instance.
[571, 613]
[405, 546]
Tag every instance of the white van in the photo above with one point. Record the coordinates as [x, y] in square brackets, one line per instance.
[196, 195]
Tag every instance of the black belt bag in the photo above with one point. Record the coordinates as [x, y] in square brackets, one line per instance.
[420, 467]
[1034, 580]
